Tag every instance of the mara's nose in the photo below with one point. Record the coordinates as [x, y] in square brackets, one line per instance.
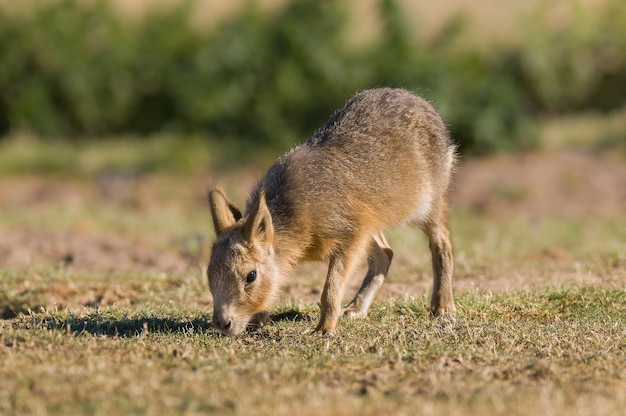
[222, 324]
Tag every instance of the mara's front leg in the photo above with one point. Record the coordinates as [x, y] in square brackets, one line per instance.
[340, 267]
[259, 320]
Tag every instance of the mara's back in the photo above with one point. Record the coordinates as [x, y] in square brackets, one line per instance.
[383, 159]
[380, 160]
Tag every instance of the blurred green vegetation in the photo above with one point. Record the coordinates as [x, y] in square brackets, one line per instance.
[79, 70]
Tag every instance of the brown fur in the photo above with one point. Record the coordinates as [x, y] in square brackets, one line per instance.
[382, 160]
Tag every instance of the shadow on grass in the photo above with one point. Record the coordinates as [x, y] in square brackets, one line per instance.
[126, 327]
[292, 315]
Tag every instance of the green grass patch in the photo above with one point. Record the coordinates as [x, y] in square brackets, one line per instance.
[133, 155]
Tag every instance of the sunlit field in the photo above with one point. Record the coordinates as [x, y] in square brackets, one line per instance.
[104, 241]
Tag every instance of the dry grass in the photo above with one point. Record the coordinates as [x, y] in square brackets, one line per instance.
[544, 351]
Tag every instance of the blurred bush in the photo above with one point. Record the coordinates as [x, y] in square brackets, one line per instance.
[579, 65]
[76, 69]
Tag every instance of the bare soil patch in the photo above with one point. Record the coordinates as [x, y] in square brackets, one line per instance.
[565, 184]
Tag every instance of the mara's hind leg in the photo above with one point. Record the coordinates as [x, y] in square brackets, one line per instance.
[378, 261]
[441, 301]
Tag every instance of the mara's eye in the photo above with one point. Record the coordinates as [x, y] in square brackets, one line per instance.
[251, 277]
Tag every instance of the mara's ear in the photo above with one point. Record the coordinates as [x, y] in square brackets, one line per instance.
[259, 225]
[223, 212]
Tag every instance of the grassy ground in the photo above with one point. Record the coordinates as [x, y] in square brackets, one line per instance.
[105, 308]
[555, 351]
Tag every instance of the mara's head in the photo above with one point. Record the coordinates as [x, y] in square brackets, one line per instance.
[243, 276]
